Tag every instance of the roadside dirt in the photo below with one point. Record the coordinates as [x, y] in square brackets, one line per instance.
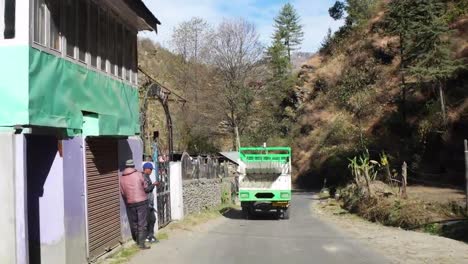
[399, 246]
[435, 194]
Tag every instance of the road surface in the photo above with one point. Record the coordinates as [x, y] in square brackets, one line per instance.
[301, 239]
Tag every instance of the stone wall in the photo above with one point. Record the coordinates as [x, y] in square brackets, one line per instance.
[201, 194]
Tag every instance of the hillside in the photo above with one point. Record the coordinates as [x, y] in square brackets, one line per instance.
[195, 123]
[351, 100]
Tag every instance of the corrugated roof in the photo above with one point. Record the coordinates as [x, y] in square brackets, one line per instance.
[134, 12]
[142, 11]
[231, 155]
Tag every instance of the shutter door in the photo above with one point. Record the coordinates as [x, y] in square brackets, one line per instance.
[104, 232]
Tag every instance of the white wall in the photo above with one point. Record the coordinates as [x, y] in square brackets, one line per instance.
[7, 199]
[177, 203]
[21, 200]
[52, 217]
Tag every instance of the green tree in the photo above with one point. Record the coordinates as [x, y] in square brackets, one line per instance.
[278, 92]
[278, 58]
[357, 11]
[288, 29]
[432, 59]
[337, 10]
[399, 21]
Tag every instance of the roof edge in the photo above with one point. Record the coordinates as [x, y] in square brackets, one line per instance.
[142, 11]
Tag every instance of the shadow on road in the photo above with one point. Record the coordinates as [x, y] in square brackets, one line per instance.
[236, 214]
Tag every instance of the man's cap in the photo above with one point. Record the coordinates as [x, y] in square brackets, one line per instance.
[130, 163]
[147, 166]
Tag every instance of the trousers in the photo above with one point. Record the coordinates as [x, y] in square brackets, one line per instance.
[151, 220]
[137, 217]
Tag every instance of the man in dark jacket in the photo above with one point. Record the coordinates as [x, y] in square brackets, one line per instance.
[151, 217]
[132, 188]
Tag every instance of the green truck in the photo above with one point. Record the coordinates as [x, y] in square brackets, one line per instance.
[265, 180]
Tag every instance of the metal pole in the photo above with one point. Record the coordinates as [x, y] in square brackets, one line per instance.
[466, 172]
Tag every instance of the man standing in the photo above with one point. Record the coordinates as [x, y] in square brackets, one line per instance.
[132, 188]
[151, 217]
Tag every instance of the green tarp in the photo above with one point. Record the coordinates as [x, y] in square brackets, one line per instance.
[61, 91]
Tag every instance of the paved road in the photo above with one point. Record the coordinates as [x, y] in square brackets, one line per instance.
[301, 239]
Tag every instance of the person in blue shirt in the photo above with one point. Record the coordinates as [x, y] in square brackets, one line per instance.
[151, 217]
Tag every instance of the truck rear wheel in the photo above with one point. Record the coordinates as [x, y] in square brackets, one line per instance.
[245, 212]
[286, 213]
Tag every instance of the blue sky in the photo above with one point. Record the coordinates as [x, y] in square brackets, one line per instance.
[314, 16]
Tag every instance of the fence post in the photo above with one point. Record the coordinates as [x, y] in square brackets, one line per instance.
[404, 181]
[466, 172]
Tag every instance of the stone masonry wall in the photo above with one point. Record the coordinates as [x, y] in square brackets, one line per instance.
[201, 194]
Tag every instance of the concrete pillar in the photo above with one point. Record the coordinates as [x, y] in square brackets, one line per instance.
[21, 198]
[7, 199]
[177, 203]
[74, 200]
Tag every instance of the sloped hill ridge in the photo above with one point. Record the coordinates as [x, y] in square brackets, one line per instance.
[350, 100]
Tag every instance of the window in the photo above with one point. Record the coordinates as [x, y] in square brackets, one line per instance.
[70, 29]
[54, 38]
[128, 55]
[82, 11]
[7, 19]
[111, 47]
[103, 38]
[85, 32]
[119, 49]
[93, 31]
[134, 60]
[40, 22]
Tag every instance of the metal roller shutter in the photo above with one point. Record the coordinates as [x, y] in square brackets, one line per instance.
[103, 195]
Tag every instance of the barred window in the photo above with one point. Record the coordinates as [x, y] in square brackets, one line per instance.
[82, 10]
[40, 22]
[93, 36]
[54, 24]
[119, 49]
[103, 39]
[111, 46]
[70, 28]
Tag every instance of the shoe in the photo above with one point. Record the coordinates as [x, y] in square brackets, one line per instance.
[148, 239]
[143, 247]
[153, 240]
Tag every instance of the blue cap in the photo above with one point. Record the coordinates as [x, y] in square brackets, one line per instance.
[147, 166]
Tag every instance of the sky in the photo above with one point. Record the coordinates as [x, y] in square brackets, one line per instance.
[313, 13]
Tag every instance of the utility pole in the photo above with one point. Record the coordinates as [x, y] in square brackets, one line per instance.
[466, 172]
[404, 180]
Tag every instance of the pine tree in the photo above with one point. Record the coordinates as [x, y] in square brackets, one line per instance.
[288, 29]
[279, 87]
[429, 48]
[278, 59]
[399, 21]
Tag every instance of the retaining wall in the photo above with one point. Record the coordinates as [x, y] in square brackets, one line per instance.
[201, 194]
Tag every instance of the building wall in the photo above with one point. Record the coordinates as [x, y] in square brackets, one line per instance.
[131, 148]
[7, 198]
[74, 200]
[21, 200]
[14, 95]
